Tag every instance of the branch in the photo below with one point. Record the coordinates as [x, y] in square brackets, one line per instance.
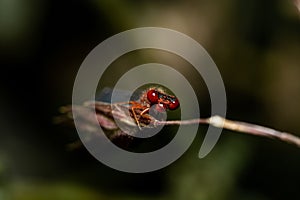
[107, 114]
[238, 126]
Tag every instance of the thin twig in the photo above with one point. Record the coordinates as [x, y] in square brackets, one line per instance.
[107, 114]
[238, 126]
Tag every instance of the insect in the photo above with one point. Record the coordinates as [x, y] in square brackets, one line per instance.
[153, 97]
[107, 114]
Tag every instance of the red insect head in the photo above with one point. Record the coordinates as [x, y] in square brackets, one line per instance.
[164, 100]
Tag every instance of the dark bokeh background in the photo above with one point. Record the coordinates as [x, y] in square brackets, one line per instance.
[255, 44]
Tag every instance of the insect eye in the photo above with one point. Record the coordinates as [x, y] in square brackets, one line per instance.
[152, 96]
[174, 104]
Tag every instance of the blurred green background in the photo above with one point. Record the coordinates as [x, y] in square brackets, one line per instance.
[255, 44]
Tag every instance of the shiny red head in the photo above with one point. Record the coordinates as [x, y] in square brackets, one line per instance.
[167, 101]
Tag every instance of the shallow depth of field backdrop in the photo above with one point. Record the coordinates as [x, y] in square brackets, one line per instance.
[255, 44]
